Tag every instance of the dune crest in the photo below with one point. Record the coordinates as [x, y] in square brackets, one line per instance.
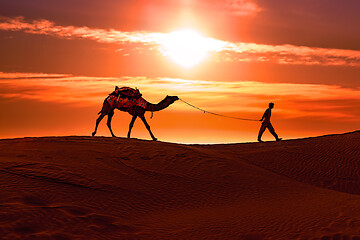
[116, 188]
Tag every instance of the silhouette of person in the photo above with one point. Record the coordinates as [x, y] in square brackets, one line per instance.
[267, 124]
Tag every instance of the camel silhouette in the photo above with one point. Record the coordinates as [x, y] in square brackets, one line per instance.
[135, 111]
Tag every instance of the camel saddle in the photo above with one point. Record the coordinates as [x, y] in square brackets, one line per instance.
[126, 102]
[127, 92]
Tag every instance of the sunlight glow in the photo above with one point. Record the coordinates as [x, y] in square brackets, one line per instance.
[185, 47]
[188, 47]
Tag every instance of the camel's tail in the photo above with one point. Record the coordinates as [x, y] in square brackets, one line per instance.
[102, 106]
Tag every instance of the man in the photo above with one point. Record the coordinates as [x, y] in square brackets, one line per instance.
[267, 124]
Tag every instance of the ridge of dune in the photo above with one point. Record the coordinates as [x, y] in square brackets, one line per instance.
[114, 188]
[330, 161]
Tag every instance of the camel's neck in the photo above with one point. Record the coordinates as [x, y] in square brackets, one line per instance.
[160, 106]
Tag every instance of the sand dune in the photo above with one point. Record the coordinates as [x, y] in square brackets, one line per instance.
[115, 188]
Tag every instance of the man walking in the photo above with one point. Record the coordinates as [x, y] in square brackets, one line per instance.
[267, 124]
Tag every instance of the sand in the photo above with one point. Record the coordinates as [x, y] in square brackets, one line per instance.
[116, 188]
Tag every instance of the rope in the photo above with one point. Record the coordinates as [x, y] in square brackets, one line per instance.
[216, 114]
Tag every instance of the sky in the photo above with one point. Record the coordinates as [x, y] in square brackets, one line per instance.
[60, 59]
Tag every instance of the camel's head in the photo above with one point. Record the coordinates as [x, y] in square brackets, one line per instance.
[172, 99]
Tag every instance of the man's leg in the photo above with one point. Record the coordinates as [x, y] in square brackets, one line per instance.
[261, 131]
[272, 131]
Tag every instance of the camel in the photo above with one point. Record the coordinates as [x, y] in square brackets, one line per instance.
[136, 111]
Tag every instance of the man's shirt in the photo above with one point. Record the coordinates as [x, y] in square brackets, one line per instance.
[267, 115]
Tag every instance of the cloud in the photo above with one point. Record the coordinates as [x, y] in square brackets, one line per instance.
[221, 50]
[290, 54]
[243, 7]
[45, 27]
[244, 97]
[4, 75]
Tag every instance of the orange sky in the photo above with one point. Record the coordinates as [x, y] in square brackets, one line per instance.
[60, 60]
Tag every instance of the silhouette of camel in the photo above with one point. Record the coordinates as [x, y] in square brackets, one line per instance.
[135, 111]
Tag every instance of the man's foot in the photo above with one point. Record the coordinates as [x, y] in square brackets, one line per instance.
[279, 139]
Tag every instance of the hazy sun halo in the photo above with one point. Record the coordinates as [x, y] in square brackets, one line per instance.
[185, 47]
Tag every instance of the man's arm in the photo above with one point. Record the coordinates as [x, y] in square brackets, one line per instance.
[265, 114]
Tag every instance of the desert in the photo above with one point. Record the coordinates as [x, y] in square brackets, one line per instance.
[79, 187]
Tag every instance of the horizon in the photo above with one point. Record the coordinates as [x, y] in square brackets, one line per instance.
[61, 59]
[180, 143]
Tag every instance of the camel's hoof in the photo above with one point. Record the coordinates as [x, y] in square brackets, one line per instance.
[93, 134]
[113, 136]
[155, 139]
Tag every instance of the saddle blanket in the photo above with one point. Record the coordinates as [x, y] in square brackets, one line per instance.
[127, 92]
[124, 102]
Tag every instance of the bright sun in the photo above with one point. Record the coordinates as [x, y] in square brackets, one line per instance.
[185, 47]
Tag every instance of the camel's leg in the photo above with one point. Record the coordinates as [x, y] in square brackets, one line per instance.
[131, 125]
[98, 120]
[110, 115]
[106, 109]
[147, 127]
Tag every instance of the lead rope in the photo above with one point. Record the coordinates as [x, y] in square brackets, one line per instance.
[216, 114]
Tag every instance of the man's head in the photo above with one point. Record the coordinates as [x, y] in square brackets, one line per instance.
[271, 105]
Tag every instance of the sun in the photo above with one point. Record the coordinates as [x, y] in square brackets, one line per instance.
[186, 47]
